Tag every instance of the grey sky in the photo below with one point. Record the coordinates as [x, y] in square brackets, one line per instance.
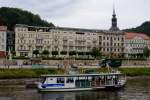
[86, 13]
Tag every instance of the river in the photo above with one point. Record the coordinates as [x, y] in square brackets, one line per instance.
[136, 89]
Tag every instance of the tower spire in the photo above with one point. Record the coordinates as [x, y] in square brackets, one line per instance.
[114, 20]
[114, 12]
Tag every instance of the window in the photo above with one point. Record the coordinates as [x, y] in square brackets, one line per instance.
[69, 80]
[107, 44]
[2, 40]
[60, 80]
[107, 49]
[2, 46]
[103, 43]
[107, 38]
[103, 38]
[103, 49]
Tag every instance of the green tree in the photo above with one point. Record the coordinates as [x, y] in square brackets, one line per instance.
[95, 52]
[146, 52]
[13, 53]
[54, 53]
[45, 53]
[71, 53]
[35, 52]
[81, 53]
[20, 16]
[88, 54]
[63, 52]
[143, 28]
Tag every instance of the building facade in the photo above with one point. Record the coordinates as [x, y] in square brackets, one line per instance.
[111, 43]
[10, 42]
[135, 43]
[3, 34]
[29, 38]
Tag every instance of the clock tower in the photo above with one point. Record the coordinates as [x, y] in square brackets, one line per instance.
[114, 22]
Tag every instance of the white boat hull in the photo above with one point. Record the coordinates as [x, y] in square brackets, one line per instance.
[80, 89]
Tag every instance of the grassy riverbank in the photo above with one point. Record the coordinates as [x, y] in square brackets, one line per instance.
[34, 73]
[27, 73]
[136, 71]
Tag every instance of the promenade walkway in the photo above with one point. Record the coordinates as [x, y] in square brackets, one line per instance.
[46, 66]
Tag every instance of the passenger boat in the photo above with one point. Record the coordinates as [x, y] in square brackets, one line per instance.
[82, 82]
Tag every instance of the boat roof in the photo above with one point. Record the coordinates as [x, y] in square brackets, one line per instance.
[69, 75]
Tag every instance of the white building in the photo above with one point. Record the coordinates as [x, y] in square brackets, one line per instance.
[135, 43]
[29, 38]
[3, 33]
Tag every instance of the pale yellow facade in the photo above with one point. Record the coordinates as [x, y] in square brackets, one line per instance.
[29, 38]
[111, 43]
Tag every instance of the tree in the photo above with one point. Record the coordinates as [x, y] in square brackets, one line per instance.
[13, 53]
[63, 52]
[88, 54]
[143, 28]
[54, 53]
[45, 53]
[36, 52]
[71, 53]
[20, 16]
[146, 52]
[95, 52]
[80, 53]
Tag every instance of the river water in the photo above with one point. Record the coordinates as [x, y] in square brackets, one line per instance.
[136, 89]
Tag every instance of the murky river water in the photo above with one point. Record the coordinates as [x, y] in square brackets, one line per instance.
[136, 89]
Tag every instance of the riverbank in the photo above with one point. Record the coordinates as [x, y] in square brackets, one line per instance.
[27, 73]
[35, 73]
[135, 71]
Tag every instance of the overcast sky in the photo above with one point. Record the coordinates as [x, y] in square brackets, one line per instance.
[92, 14]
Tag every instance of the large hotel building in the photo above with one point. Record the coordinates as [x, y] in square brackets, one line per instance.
[29, 38]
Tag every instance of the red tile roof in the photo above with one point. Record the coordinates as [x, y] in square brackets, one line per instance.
[131, 35]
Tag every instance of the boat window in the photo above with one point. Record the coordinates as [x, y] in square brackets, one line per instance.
[69, 80]
[60, 80]
[93, 78]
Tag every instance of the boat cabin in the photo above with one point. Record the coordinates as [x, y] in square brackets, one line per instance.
[81, 80]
